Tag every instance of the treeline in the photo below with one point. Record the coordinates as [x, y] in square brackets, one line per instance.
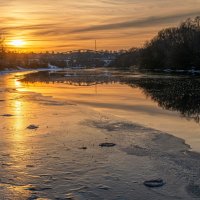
[2, 52]
[172, 48]
[79, 58]
[13, 60]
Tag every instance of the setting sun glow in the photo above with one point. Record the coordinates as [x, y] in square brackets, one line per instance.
[17, 43]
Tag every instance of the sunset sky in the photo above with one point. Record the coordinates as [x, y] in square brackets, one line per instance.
[73, 24]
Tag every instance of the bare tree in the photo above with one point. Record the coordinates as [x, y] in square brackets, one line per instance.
[172, 48]
[2, 51]
[2, 47]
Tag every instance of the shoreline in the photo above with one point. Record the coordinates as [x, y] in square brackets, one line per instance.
[3, 72]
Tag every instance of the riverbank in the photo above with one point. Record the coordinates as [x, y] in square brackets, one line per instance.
[20, 69]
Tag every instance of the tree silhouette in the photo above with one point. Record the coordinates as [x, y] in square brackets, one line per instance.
[2, 51]
[172, 48]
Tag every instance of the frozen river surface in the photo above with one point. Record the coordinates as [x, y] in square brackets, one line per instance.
[62, 159]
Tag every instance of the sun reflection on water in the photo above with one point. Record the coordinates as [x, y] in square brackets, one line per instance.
[16, 139]
[19, 120]
[17, 83]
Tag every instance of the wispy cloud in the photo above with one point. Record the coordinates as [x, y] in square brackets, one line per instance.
[67, 24]
[146, 22]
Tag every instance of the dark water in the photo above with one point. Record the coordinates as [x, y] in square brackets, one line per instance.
[170, 92]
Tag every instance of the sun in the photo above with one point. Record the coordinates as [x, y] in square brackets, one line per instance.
[17, 43]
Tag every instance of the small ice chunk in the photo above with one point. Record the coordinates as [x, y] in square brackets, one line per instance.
[154, 183]
[32, 126]
[107, 144]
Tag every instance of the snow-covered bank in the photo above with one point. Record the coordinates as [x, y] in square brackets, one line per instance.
[19, 69]
[191, 71]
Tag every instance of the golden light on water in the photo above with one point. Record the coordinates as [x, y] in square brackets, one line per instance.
[18, 122]
[18, 84]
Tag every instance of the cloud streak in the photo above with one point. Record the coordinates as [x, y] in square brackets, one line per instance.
[66, 24]
[146, 22]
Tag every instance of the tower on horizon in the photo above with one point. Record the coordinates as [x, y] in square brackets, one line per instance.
[95, 45]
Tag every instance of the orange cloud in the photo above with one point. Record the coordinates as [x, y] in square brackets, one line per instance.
[64, 24]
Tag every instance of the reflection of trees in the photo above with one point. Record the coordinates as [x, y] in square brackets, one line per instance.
[177, 94]
[72, 78]
[182, 95]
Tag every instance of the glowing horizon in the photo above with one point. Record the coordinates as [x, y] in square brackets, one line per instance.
[17, 43]
[47, 25]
